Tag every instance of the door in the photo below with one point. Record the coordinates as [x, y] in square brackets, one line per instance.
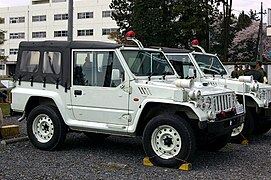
[96, 95]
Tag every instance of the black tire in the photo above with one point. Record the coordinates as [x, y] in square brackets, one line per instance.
[247, 128]
[96, 137]
[217, 143]
[261, 129]
[45, 127]
[176, 134]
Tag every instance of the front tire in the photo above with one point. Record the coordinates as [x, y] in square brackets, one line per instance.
[246, 130]
[168, 141]
[45, 128]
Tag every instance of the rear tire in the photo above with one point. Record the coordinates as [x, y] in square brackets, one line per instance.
[45, 128]
[168, 141]
[261, 129]
[216, 143]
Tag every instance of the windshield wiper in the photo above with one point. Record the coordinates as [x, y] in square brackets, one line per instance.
[165, 73]
[151, 74]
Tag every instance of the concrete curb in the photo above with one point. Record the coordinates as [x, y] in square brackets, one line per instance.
[14, 140]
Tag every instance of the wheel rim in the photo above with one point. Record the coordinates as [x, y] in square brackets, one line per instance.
[166, 141]
[43, 128]
[236, 131]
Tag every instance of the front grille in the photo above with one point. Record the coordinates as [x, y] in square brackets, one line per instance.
[223, 102]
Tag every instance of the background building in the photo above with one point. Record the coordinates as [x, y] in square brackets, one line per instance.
[48, 20]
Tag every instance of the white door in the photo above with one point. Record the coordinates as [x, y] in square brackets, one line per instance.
[96, 96]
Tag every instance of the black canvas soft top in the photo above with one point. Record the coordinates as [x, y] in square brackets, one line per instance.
[70, 44]
[65, 48]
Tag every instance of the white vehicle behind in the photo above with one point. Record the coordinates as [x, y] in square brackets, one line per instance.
[207, 68]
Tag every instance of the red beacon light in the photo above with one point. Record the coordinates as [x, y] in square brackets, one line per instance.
[130, 35]
[195, 42]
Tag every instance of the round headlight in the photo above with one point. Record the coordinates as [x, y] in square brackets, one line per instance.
[254, 86]
[195, 94]
[208, 102]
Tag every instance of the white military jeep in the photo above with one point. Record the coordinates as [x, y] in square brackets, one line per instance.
[207, 68]
[105, 89]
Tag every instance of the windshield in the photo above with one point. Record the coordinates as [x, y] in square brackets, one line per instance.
[146, 63]
[210, 64]
[181, 64]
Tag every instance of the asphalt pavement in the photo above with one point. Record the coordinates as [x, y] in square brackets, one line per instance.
[122, 158]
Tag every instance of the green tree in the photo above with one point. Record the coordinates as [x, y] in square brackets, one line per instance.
[165, 23]
[243, 21]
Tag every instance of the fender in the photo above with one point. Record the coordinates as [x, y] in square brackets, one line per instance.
[202, 116]
[23, 95]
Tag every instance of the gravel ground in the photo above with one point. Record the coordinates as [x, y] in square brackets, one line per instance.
[121, 158]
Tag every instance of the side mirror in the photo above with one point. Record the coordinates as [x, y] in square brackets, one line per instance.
[191, 73]
[115, 74]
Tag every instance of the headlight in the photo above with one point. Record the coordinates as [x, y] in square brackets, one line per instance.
[262, 94]
[194, 94]
[254, 86]
[208, 102]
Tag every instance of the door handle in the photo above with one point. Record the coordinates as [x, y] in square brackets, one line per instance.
[77, 92]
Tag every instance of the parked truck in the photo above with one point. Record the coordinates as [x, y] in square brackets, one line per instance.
[207, 68]
[104, 89]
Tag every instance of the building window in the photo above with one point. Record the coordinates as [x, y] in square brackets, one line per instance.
[2, 52]
[84, 15]
[107, 31]
[13, 51]
[56, 1]
[39, 34]
[58, 17]
[2, 20]
[2, 37]
[13, 20]
[34, 2]
[38, 18]
[107, 14]
[85, 32]
[60, 33]
[16, 35]
[2, 67]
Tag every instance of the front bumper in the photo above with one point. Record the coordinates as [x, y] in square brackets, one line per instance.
[223, 126]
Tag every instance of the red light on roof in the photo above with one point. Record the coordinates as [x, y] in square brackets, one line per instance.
[195, 42]
[130, 34]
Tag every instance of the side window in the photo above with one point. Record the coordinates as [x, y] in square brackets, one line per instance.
[83, 68]
[97, 68]
[51, 62]
[30, 61]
